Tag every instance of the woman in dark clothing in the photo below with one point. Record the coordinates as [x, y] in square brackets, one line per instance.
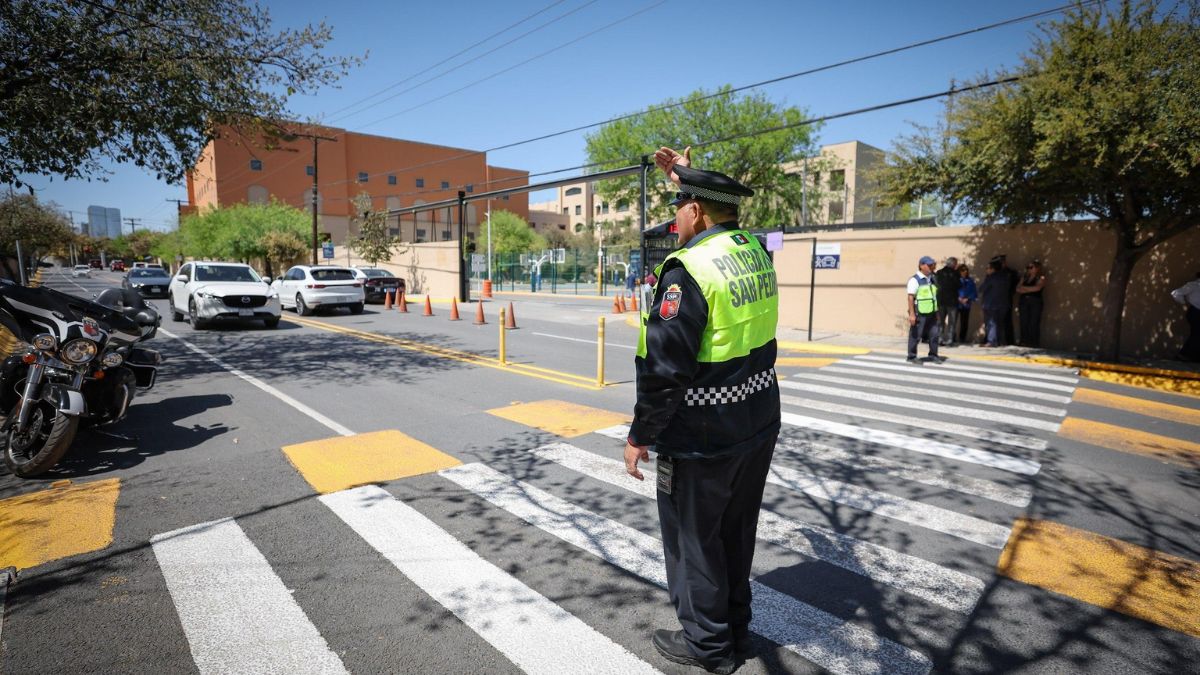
[1030, 304]
[994, 295]
[967, 295]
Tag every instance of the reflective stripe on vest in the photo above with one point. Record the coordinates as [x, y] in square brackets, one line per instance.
[926, 295]
[737, 279]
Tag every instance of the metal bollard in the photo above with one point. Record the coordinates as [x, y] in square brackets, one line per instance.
[600, 353]
[503, 337]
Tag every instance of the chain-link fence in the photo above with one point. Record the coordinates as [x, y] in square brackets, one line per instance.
[560, 271]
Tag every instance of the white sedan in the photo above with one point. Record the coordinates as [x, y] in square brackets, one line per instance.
[307, 287]
[213, 291]
[81, 271]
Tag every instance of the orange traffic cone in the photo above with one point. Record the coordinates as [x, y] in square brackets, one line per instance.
[402, 303]
[428, 307]
[454, 310]
[387, 299]
[510, 322]
[633, 302]
[621, 302]
[616, 306]
[479, 320]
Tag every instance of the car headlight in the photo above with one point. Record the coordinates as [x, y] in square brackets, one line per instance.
[205, 294]
[45, 342]
[78, 351]
[112, 359]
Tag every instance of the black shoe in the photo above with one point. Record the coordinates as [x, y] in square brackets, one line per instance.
[912, 359]
[936, 359]
[742, 644]
[674, 648]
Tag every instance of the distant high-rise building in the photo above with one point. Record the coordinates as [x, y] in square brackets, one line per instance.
[103, 222]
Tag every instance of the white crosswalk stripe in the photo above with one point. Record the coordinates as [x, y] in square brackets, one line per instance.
[526, 627]
[941, 371]
[942, 586]
[948, 384]
[919, 404]
[979, 433]
[1031, 372]
[921, 395]
[236, 612]
[824, 639]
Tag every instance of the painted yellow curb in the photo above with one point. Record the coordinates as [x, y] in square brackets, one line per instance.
[1124, 439]
[343, 462]
[1140, 406]
[804, 362]
[1177, 381]
[1141, 582]
[560, 418]
[820, 348]
[56, 523]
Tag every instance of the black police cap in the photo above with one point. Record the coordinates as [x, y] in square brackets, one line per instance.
[712, 186]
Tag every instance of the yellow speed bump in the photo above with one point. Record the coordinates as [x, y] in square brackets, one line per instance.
[343, 462]
[560, 417]
[1141, 582]
[1123, 439]
[804, 361]
[63, 521]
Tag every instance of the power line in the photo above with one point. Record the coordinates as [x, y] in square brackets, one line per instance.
[464, 63]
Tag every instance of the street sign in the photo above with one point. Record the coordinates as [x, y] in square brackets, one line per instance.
[828, 257]
[327, 250]
[478, 262]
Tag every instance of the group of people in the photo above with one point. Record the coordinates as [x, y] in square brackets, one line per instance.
[939, 304]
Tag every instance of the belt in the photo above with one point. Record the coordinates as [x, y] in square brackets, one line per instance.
[731, 394]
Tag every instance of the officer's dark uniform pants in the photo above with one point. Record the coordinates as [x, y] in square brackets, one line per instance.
[926, 327]
[709, 522]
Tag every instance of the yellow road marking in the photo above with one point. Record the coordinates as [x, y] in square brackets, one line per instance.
[560, 417]
[1141, 582]
[1123, 439]
[457, 355]
[1179, 382]
[1165, 411]
[343, 462]
[819, 348]
[44, 526]
[804, 362]
[1170, 384]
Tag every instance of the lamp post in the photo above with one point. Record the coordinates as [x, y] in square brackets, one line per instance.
[315, 138]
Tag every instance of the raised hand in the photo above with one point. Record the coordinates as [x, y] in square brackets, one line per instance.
[667, 159]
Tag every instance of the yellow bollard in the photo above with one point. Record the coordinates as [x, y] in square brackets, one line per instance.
[503, 346]
[600, 354]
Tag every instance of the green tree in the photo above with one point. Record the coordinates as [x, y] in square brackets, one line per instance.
[237, 232]
[284, 248]
[1102, 124]
[143, 81]
[756, 161]
[511, 234]
[41, 228]
[374, 242]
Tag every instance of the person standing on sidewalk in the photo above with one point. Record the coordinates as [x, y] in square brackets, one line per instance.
[1188, 295]
[1011, 279]
[708, 404]
[967, 295]
[947, 280]
[1029, 304]
[996, 301]
[923, 310]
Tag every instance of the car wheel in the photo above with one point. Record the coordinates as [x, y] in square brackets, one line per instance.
[176, 315]
[356, 308]
[301, 308]
[194, 315]
[272, 322]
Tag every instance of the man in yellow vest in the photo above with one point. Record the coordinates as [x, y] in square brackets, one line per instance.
[708, 405]
[923, 310]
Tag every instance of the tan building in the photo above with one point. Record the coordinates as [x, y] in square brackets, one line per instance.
[396, 173]
[582, 208]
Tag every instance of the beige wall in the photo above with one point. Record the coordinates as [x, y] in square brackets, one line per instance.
[867, 294]
[429, 268]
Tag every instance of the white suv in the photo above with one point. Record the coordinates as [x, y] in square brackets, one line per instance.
[307, 287]
[211, 291]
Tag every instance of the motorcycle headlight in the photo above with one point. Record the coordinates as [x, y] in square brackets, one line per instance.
[45, 342]
[78, 352]
[112, 359]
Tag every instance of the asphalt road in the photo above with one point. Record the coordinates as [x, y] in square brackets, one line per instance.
[496, 532]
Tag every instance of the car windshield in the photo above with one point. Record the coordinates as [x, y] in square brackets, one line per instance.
[376, 274]
[144, 273]
[82, 267]
[225, 273]
[332, 275]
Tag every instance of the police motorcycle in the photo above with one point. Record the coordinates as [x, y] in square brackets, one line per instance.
[77, 362]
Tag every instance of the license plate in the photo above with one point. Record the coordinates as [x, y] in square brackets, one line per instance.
[156, 289]
[245, 312]
[390, 289]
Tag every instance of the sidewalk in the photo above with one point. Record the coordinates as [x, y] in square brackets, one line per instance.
[1161, 374]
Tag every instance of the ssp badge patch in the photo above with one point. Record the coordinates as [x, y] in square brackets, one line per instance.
[669, 309]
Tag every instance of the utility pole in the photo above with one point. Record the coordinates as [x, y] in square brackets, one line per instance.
[315, 138]
[133, 224]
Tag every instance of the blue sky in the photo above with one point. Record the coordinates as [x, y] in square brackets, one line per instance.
[670, 48]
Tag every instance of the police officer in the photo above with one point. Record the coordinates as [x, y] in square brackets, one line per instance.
[923, 310]
[708, 404]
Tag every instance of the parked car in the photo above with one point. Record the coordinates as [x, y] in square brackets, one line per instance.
[116, 266]
[81, 271]
[377, 282]
[304, 288]
[95, 264]
[216, 291]
[150, 283]
[146, 265]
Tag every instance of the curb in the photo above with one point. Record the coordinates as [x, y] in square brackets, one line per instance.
[1160, 379]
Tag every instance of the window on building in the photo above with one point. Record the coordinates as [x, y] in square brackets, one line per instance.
[578, 228]
[257, 194]
[309, 170]
[562, 226]
[445, 235]
[571, 192]
[391, 179]
[837, 179]
[816, 177]
[837, 211]
[470, 188]
[393, 232]
[420, 182]
[603, 207]
[566, 211]
[445, 185]
[622, 206]
[578, 210]
[256, 165]
[362, 176]
[420, 235]
[597, 209]
[505, 198]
